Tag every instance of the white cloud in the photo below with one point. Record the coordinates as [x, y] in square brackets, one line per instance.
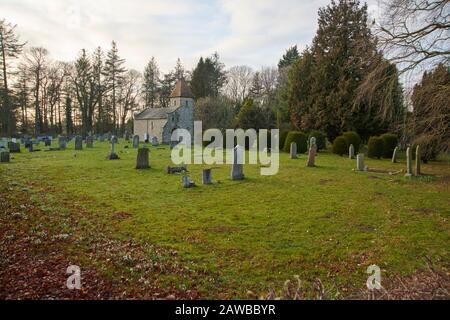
[247, 32]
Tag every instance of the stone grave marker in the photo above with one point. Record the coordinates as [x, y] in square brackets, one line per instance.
[90, 142]
[207, 176]
[113, 155]
[4, 155]
[360, 166]
[394, 155]
[312, 153]
[13, 147]
[136, 142]
[142, 158]
[351, 152]
[409, 172]
[187, 183]
[78, 143]
[293, 150]
[237, 168]
[155, 142]
[418, 161]
[62, 143]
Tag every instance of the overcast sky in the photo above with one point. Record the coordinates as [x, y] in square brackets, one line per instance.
[250, 32]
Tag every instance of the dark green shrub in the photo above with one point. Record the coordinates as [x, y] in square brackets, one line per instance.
[299, 138]
[375, 146]
[340, 146]
[283, 136]
[390, 142]
[353, 138]
[321, 139]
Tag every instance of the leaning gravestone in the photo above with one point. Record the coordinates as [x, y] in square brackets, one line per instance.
[394, 155]
[136, 142]
[113, 155]
[155, 142]
[187, 183]
[312, 153]
[360, 166]
[142, 159]
[351, 152]
[90, 142]
[78, 143]
[4, 155]
[13, 147]
[237, 169]
[409, 172]
[62, 143]
[293, 150]
[207, 176]
[418, 160]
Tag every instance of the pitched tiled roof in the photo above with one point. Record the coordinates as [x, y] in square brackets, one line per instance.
[155, 113]
[181, 90]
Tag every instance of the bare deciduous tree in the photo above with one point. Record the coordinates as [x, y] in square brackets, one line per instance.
[239, 82]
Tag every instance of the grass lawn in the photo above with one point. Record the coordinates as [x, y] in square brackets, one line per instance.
[223, 240]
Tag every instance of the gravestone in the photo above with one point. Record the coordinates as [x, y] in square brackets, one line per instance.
[90, 142]
[115, 139]
[394, 155]
[27, 143]
[237, 169]
[293, 150]
[126, 136]
[207, 176]
[4, 155]
[155, 142]
[78, 143]
[312, 153]
[30, 146]
[13, 147]
[360, 166]
[136, 141]
[146, 137]
[351, 152]
[142, 159]
[187, 183]
[48, 142]
[409, 172]
[101, 138]
[62, 143]
[418, 161]
[113, 155]
[173, 170]
[3, 143]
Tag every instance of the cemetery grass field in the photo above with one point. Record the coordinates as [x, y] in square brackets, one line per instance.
[145, 236]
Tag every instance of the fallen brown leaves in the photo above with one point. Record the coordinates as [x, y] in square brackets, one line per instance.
[34, 259]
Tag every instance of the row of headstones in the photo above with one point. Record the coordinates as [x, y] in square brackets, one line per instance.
[311, 154]
[360, 166]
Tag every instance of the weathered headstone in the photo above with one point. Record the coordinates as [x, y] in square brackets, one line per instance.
[312, 153]
[13, 147]
[207, 176]
[155, 142]
[90, 142]
[78, 143]
[62, 143]
[30, 146]
[113, 155]
[351, 152]
[115, 139]
[48, 142]
[136, 141]
[360, 166]
[146, 137]
[187, 183]
[293, 150]
[101, 138]
[173, 170]
[418, 161]
[126, 136]
[394, 155]
[142, 159]
[4, 155]
[409, 172]
[237, 168]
